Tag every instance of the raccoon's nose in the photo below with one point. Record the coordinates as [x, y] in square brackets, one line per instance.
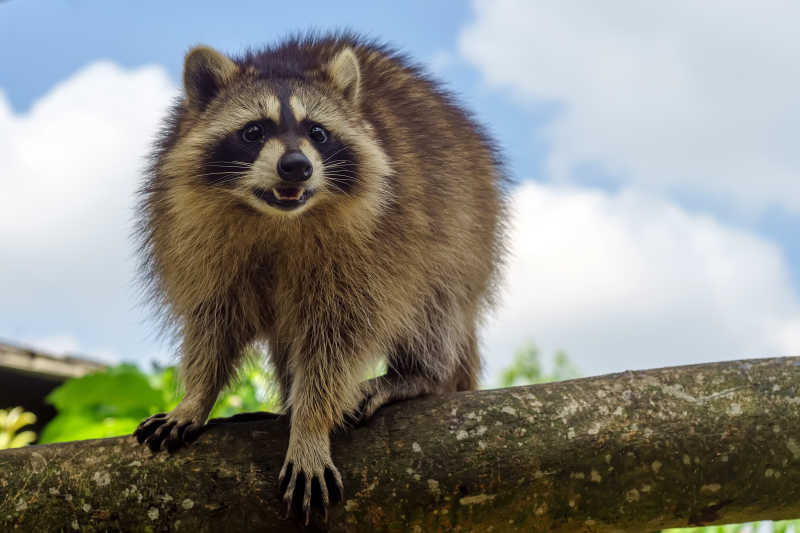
[294, 166]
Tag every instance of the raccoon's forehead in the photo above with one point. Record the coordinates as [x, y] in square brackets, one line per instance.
[283, 104]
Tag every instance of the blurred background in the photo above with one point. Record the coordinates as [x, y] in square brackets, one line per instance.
[654, 148]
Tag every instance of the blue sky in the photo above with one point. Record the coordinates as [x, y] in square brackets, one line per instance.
[659, 184]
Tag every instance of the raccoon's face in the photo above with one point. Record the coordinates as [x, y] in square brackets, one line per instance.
[277, 156]
[279, 146]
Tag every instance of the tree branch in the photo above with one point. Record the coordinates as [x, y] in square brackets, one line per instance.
[636, 451]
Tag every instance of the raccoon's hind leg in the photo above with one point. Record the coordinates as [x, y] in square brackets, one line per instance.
[408, 377]
[210, 358]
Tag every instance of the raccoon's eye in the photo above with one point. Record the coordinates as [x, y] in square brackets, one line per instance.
[253, 133]
[318, 134]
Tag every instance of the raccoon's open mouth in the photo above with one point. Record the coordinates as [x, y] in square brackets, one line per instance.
[286, 198]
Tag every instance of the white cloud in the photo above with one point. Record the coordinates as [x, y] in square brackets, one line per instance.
[688, 96]
[626, 281]
[69, 167]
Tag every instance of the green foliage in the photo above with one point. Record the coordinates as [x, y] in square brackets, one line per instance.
[113, 402]
[783, 526]
[11, 421]
[786, 526]
[255, 391]
[103, 404]
[731, 528]
[526, 368]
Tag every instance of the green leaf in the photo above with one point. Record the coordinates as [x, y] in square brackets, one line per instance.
[80, 425]
[65, 425]
[103, 404]
[121, 389]
[114, 401]
[77, 428]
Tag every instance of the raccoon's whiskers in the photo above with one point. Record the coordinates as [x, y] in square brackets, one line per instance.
[343, 148]
[342, 177]
[221, 173]
[340, 164]
[229, 164]
[340, 189]
[341, 182]
[230, 176]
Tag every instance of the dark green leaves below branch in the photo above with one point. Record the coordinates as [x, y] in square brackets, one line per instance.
[113, 402]
[104, 404]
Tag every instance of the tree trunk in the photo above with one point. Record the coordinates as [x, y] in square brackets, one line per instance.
[636, 451]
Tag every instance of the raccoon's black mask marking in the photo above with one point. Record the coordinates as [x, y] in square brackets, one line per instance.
[230, 158]
[338, 160]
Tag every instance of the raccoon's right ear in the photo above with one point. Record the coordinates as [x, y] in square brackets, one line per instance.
[205, 72]
[345, 74]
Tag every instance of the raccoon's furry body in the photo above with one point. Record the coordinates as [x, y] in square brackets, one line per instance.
[390, 249]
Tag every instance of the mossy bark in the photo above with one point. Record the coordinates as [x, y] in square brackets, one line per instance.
[636, 451]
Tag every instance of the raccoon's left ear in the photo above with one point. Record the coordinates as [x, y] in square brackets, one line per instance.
[205, 73]
[345, 74]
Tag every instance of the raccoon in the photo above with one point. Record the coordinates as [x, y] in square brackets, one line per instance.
[327, 198]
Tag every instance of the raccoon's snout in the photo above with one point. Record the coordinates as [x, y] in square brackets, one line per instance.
[294, 166]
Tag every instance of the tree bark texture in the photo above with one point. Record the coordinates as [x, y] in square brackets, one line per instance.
[635, 451]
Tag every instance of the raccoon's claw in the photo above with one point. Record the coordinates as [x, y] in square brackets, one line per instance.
[162, 429]
[301, 488]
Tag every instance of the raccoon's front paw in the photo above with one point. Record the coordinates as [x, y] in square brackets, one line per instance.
[167, 429]
[307, 478]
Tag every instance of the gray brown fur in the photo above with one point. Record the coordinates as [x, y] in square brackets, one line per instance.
[401, 266]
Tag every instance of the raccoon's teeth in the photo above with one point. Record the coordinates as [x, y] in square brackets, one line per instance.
[298, 193]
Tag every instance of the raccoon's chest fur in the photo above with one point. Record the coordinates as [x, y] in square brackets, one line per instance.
[325, 285]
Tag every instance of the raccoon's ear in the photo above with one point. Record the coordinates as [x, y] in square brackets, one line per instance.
[345, 74]
[205, 72]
